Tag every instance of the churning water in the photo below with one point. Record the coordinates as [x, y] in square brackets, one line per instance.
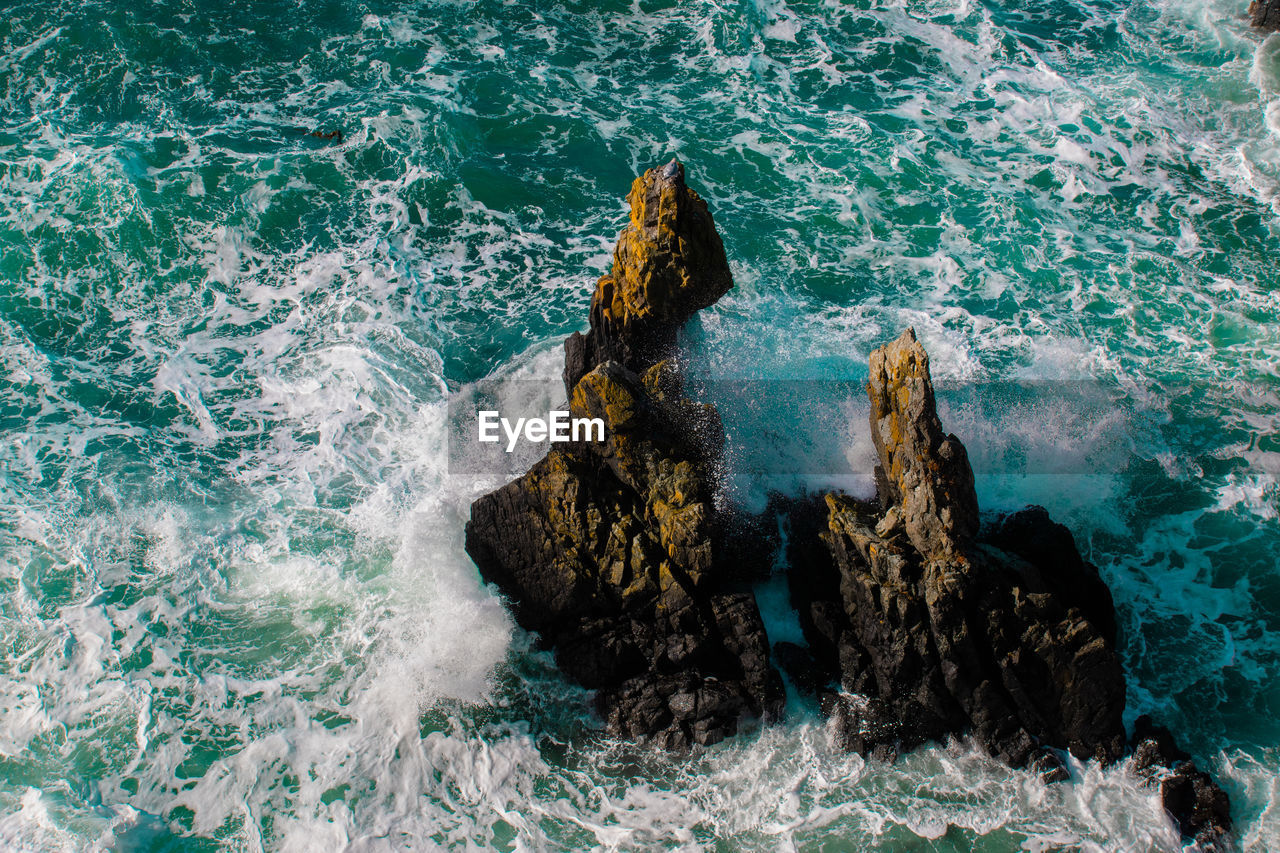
[235, 611]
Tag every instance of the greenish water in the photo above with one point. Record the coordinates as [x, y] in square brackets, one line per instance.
[235, 612]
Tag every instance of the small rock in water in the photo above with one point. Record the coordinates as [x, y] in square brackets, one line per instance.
[1197, 805]
[331, 136]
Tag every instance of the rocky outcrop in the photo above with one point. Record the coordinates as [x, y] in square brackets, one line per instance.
[1265, 14]
[926, 625]
[940, 631]
[920, 621]
[923, 475]
[669, 264]
[1197, 805]
[609, 550]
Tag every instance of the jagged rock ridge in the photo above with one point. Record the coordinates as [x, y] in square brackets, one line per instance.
[607, 549]
[930, 626]
[920, 623]
[952, 634]
[669, 264]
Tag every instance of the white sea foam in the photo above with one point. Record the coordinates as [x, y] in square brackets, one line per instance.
[289, 647]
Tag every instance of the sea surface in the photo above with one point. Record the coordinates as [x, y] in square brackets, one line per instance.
[235, 610]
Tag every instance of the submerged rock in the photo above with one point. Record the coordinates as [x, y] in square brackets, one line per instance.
[610, 550]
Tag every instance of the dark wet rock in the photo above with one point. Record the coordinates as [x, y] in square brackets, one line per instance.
[669, 264]
[1050, 551]
[866, 725]
[1154, 747]
[1265, 14]
[1199, 808]
[920, 623]
[1049, 764]
[813, 588]
[613, 552]
[1009, 638]
[934, 627]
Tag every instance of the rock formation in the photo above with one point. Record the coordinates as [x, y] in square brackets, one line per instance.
[1197, 805]
[1008, 637]
[924, 476]
[1265, 14]
[920, 622]
[607, 550]
[932, 627]
[669, 264]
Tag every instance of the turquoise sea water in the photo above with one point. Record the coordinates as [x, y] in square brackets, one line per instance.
[235, 612]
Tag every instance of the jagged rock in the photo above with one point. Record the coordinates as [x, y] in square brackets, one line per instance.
[613, 551]
[936, 628]
[606, 551]
[924, 474]
[1265, 14]
[1009, 638]
[1193, 800]
[920, 624]
[669, 264]
[947, 633]
[864, 725]
[1049, 549]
